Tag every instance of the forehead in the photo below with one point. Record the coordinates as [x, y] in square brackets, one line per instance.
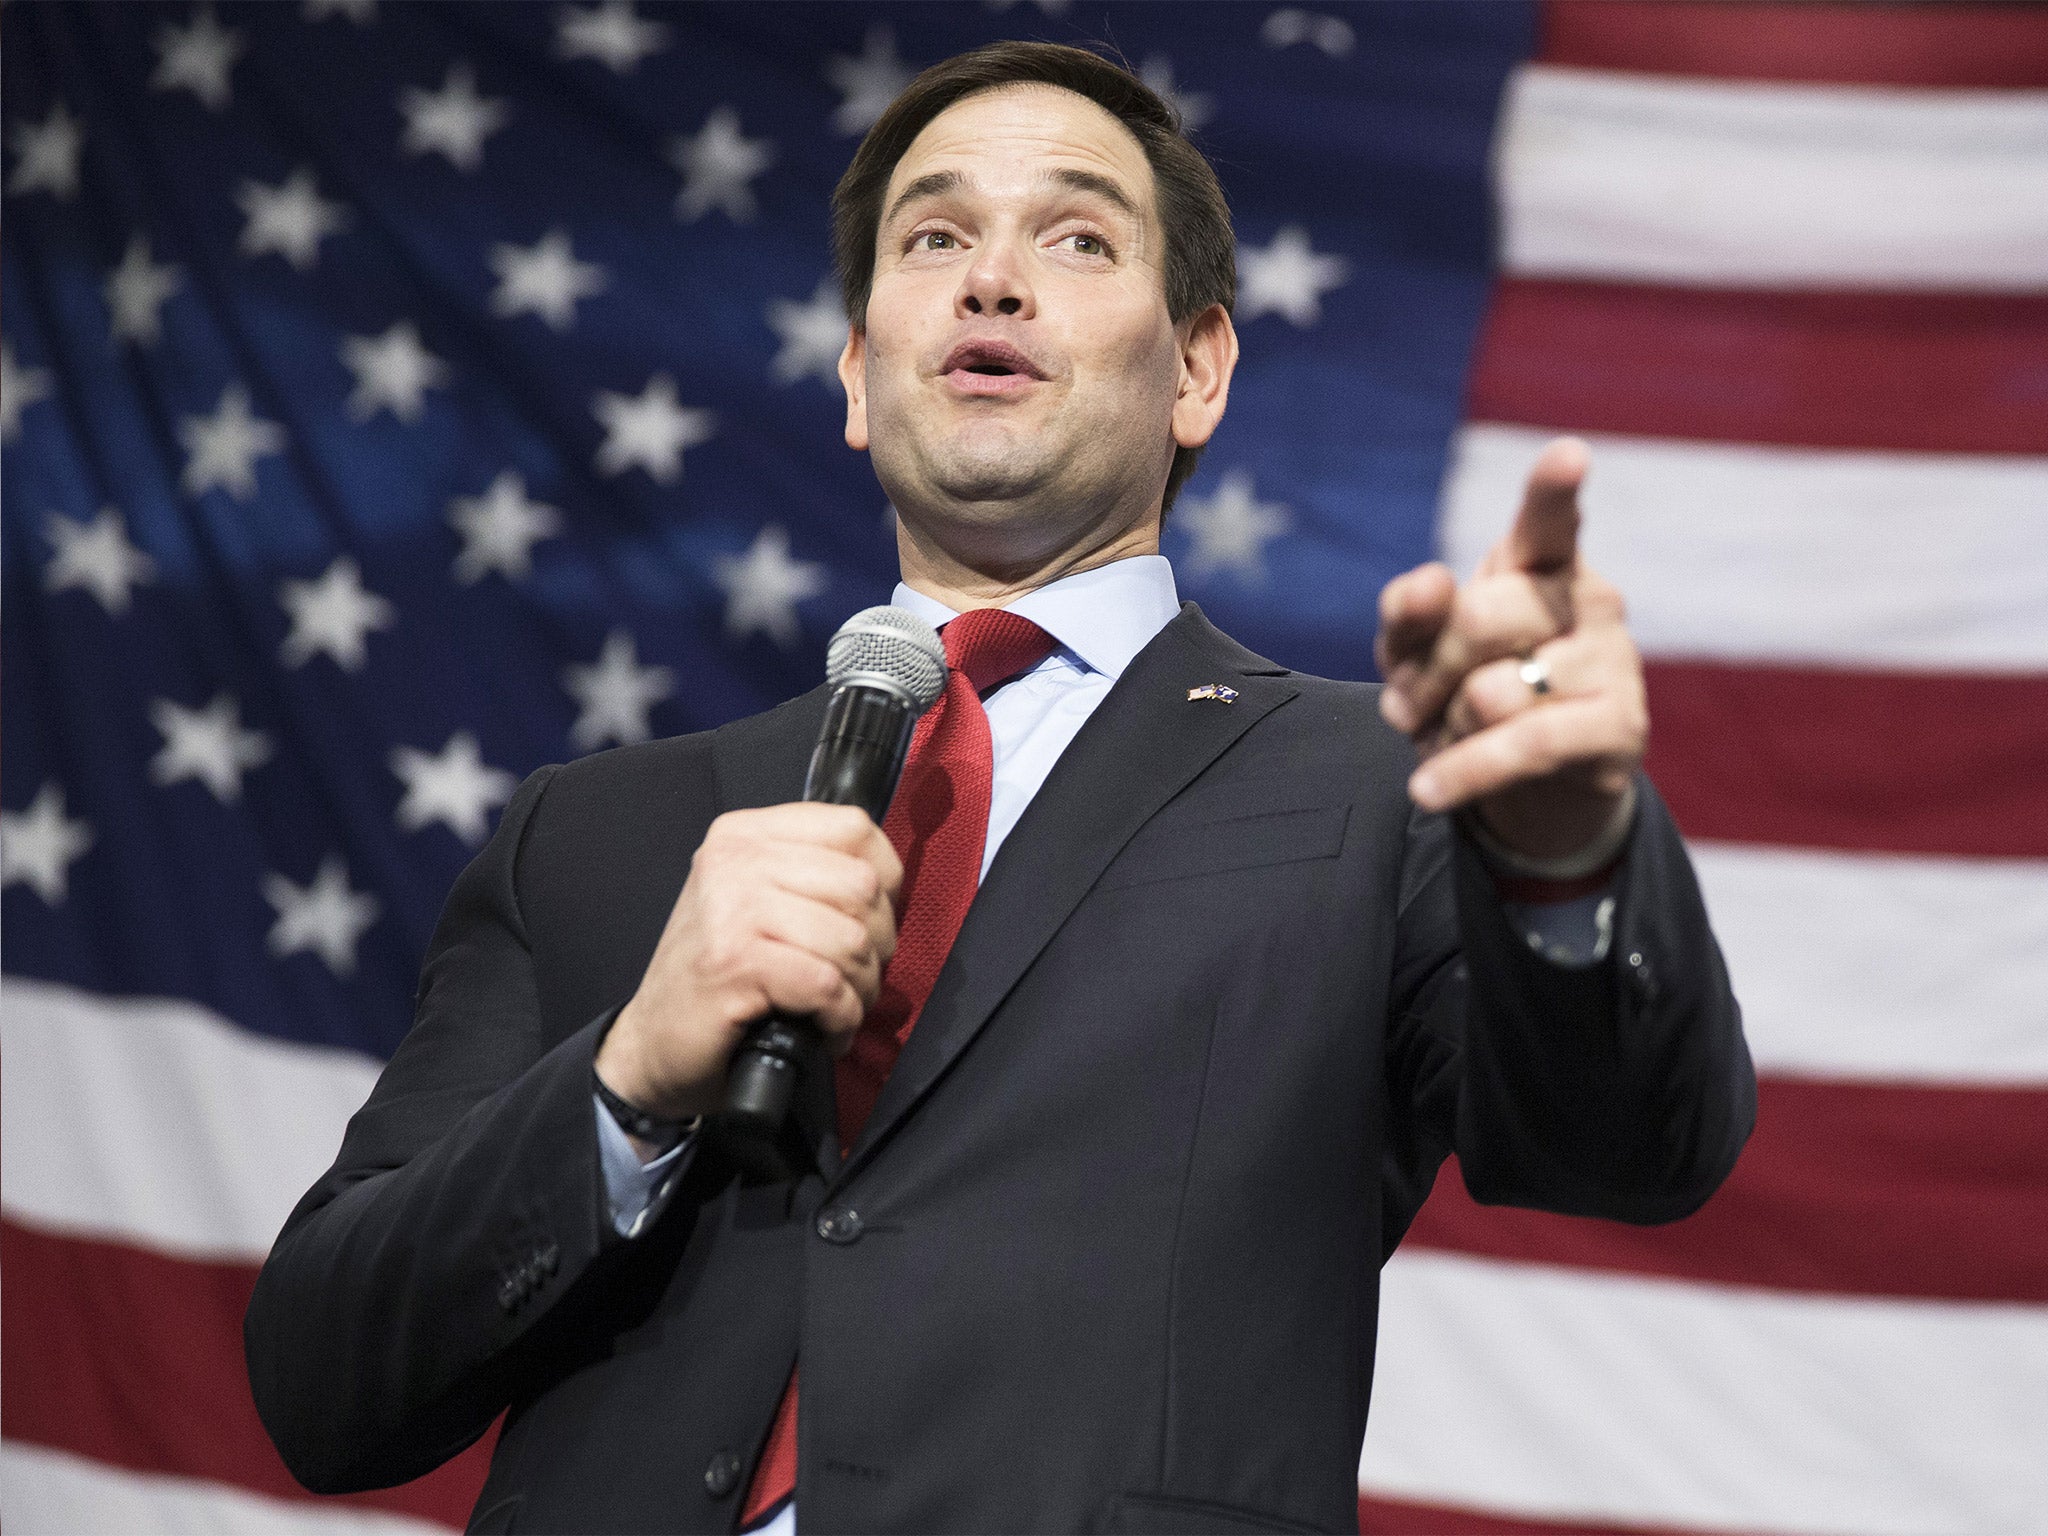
[1021, 131]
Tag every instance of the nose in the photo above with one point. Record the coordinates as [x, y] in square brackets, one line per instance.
[995, 283]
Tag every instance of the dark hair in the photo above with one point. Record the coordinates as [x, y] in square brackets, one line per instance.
[1200, 250]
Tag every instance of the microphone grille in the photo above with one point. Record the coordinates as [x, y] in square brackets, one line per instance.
[891, 648]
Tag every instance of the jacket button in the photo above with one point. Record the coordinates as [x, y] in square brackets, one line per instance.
[1642, 976]
[721, 1474]
[840, 1225]
[511, 1294]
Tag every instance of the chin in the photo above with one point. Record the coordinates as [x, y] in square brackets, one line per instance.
[989, 485]
[1000, 468]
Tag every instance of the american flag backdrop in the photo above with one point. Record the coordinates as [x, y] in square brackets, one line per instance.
[398, 398]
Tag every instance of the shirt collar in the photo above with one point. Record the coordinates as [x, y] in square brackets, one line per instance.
[1104, 616]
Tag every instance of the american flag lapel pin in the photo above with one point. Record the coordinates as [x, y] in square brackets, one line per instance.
[1221, 693]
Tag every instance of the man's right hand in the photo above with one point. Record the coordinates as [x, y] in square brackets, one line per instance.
[788, 907]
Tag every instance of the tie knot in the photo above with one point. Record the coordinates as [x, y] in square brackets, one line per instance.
[992, 645]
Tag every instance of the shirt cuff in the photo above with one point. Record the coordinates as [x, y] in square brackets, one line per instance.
[1573, 934]
[636, 1192]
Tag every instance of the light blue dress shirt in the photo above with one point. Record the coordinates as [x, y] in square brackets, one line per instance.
[1101, 618]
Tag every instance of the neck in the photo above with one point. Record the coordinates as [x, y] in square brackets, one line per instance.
[963, 579]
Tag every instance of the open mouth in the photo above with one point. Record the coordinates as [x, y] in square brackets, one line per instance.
[987, 366]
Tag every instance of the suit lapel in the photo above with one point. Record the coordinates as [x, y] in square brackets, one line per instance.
[1145, 742]
[762, 760]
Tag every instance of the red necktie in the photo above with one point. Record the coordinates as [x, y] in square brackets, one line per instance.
[938, 823]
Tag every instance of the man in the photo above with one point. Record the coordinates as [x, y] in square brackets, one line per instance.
[1094, 1207]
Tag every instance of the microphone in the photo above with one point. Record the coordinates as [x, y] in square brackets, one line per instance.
[886, 666]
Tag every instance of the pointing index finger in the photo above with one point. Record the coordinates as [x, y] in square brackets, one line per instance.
[1545, 537]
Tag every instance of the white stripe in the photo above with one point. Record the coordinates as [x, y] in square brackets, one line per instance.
[1791, 554]
[44, 1492]
[1748, 184]
[1568, 1396]
[158, 1122]
[1886, 967]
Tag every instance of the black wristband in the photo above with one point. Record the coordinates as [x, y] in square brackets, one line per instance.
[635, 1121]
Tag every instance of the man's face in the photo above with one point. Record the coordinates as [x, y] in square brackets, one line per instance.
[1018, 372]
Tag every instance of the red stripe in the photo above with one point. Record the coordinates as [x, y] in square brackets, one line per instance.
[1397, 1517]
[1933, 763]
[1890, 44]
[135, 1359]
[1938, 1193]
[1958, 373]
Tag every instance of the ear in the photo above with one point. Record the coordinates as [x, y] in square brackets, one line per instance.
[853, 377]
[1208, 356]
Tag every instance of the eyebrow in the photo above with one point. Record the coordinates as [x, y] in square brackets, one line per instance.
[1100, 185]
[939, 183]
[932, 184]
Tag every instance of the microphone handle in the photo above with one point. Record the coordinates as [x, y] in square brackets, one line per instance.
[857, 761]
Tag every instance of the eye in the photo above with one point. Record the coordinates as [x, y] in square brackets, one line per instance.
[1086, 244]
[932, 240]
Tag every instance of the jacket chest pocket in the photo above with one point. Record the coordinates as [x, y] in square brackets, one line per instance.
[1179, 848]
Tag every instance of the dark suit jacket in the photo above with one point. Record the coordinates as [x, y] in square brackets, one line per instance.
[1106, 1256]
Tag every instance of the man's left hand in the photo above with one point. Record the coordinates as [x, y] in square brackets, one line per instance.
[1521, 689]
